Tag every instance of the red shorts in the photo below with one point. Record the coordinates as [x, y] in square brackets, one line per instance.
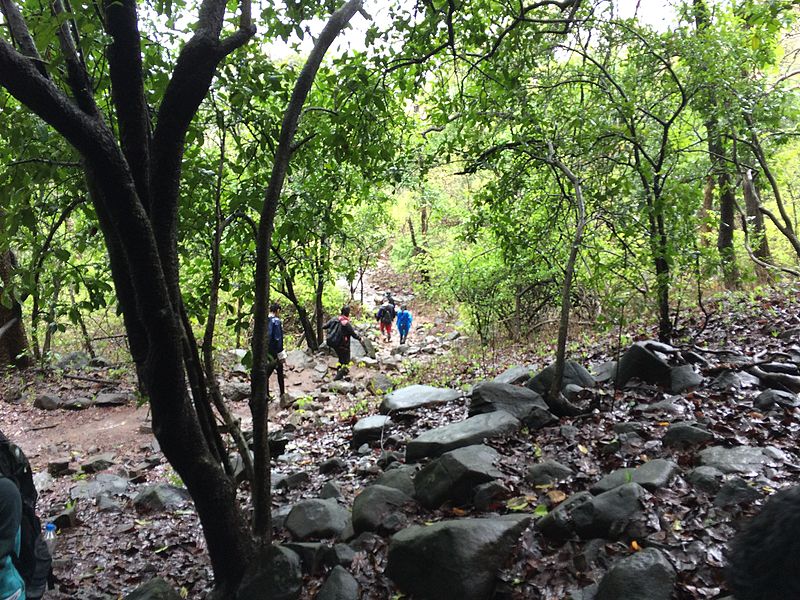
[386, 328]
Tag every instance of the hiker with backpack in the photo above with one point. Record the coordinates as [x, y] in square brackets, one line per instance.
[340, 330]
[385, 317]
[277, 356]
[32, 561]
[404, 320]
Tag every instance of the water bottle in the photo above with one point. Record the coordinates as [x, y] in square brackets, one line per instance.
[50, 538]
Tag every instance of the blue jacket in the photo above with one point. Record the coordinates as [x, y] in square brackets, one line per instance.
[10, 519]
[404, 320]
[275, 336]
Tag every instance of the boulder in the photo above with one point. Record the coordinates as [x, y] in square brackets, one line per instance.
[331, 489]
[399, 479]
[558, 524]
[235, 391]
[736, 491]
[312, 555]
[161, 497]
[652, 475]
[370, 429]
[769, 398]
[605, 372]
[514, 375]
[548, 472]
[683, 378]
[453, 560]
[112, 399]
[79, 403]
[97, 463]
[340, 585]
[457, 435]
[105, 483]
[645, 575]
[47, 402]
[277, 570]
[360, 349]
[298, 359]
[608, 515]
[60, 466]
[524, 404]
[642, 362]
[332, 465]
[155, 589]
[741, 459]
[379, 508]
[414, 396]
[454, 475]
[685, 435]
[574, 374]
[380, 383]
[340, 554]
[317, 519]
[706, 479]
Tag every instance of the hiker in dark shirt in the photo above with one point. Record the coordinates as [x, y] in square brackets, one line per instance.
[11, 585]
[340, 330]
[277, 356]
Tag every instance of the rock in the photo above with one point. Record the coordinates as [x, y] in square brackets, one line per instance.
[548, 472]
[769, 398]
[524, 404]
[94, 464]
[373, 505]
[741, 459]
[73, 361]
[608, 515]
[277, 570]
[155, 589]
[80, 403]
[317, 519]
[775, 380]
[380, 383]
[342, 387]
[235, 391]
[339, 554]
[667, 406]
[331, 489]
[641, 362]
[298, 359]
[645, 575]
[67, 518]
[112, 399]
[652, 475]
[339, 585]
[47, 402]
[399, 479]
[558, 524]
[630, 427]
[727, 381]
[160, 497]
[574, 373]
[312, 555]
[736, 491]
[42, 481]
[684, 378]
[106, 503]
[453, 560]
[60, 466]
[706, 479]
[605, 372]
[514, 375]
[457, 435]
[414, 396]
[454, 475]
[105, 483]
[360, 349]
[293, 481]
[685, 435]
[332, 465]
[489, 494]
[370, 429]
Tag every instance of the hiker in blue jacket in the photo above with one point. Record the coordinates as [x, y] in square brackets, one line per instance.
[11, 584]
[277, 356]
[404, 320]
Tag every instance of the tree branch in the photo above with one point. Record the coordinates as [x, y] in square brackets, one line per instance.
[21, 35]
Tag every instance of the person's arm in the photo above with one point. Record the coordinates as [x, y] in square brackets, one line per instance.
[352, 332]
[10, 516]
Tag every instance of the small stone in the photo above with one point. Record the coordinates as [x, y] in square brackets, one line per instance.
[112, 399]
[161, 497]
[294, 481]
[488, 495]
[76, 403]
[332, 465]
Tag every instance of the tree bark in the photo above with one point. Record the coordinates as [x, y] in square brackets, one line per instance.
[13, 342]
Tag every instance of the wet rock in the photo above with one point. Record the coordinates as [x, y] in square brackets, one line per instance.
[605, 372]
[339, 554]
[454, 475]
[457, 435]
[112, 399]
[155, 589]
[80, 403]
[706, 479]
[317, 519]
[373, 507]
[331, 489]
[105, 483]
[370, 429]
[548, 472]
[769, 398]
[453, 560]
[524, 404]
[47, 402]
[488, 495]
[644, 363]
[514, 375]
[340, 585]
[414, 396]
[685, 435]
[278, 571]
[161, 497]
[399, 479]
[608, 515]
[684, 378]
[558, 524]
[741, 459]
[652, 475]
[332, 465]
[736, 491]
[574, 374]
[645, 575]
[101, 462]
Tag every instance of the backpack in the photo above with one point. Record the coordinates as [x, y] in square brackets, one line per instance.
[335, 333]
[386, 314]
[34, 562]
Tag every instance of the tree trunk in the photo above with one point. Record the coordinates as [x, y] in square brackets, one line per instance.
[13, 341]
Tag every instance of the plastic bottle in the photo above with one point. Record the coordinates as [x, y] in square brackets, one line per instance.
[50, 538]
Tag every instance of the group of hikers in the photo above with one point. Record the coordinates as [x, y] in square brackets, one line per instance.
[339, 332]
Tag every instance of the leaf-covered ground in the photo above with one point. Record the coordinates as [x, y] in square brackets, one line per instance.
[109, 552]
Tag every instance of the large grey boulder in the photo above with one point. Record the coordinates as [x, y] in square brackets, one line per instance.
[278, 571]
[370, 429]
[340, 585]
[526, 405]
[652, 475]
[161, 497]
[514, 375]
[453, 560]
[548, 472]
[574, 374]
[414, 396]
[741, 459]
[454, 475]
[643, 362]
[608, 515]
[155, 589]
[379, 508]
[362, 348]
[457, 435]
[646, 575]
[316, 519]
